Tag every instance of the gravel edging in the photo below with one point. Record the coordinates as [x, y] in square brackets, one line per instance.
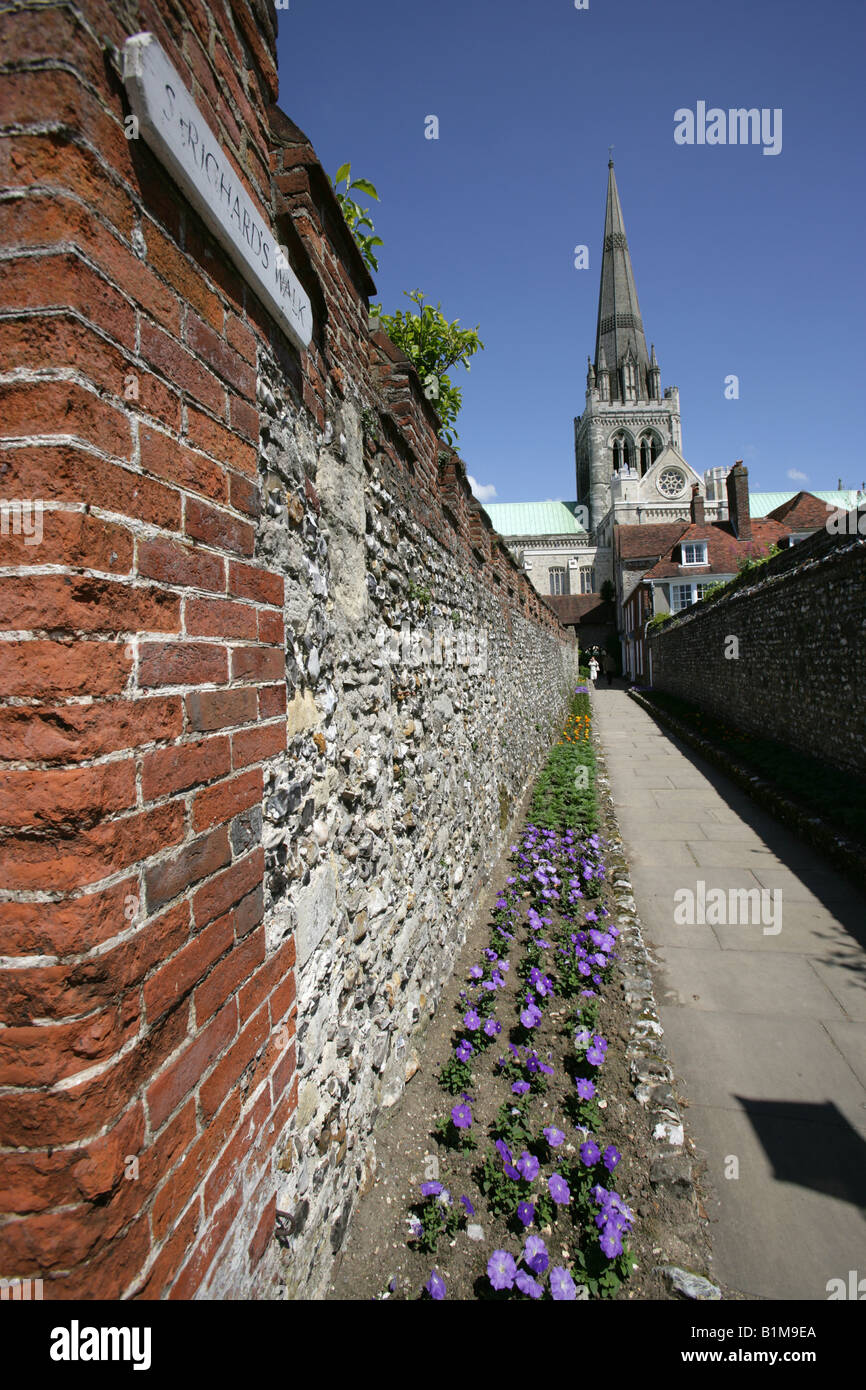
[844, 852]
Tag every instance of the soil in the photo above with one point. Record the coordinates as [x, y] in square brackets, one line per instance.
[380, 1259]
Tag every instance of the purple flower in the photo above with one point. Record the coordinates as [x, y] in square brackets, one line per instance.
[435, 1286]
[590, 1152]
[610, 1242]
[501, 1270]
[535, 1255]
[470, 1210]
[503, 1150]
[530, 1016]
[585, 1089]
[462, 1116]
[431, 1189]
[553, 1136]
[612, 1157]
[492, 1027]
[472, 1021]
[594, 1056]
[520, 1087]
[525, 1213]
[527, 1166]
[476, 972]
[562, 1285]
[415, 1228]
[464, 1050]
[559, 1189]
[527, 1285]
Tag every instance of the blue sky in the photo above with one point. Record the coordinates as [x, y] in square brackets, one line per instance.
[746, 263]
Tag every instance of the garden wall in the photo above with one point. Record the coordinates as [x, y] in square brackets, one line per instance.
[799, 674]
[272, 689]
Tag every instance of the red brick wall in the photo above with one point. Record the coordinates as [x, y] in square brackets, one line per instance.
[143, 682]
[147, 1062]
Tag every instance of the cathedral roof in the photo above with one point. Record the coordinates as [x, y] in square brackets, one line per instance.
[768, 503]
[535, 518]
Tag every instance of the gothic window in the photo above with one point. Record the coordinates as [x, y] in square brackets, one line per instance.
[558, 579]
[649, 452]
[587, 581]
[620, 453]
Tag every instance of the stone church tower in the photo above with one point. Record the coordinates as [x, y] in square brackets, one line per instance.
[627, 421]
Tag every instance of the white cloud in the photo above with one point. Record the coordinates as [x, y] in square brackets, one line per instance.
[796, 476]
[485, 492]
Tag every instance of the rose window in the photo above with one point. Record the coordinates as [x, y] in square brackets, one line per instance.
[670, 482]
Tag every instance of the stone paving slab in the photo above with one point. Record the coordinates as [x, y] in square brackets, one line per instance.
[736, 982]
[764, 1241]
[766, 1033]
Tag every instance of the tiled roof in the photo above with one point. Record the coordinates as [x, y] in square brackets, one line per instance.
[724, 551]
[648, 542]
[804, 512]
[534, 518]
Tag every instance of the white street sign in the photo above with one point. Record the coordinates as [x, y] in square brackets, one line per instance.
[181, 138]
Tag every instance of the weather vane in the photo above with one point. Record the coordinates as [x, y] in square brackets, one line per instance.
[610, 154]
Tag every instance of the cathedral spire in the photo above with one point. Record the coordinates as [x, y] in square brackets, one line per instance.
[619, 322]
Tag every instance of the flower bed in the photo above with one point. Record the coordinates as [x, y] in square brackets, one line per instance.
[498, 1172]
[522, 1157]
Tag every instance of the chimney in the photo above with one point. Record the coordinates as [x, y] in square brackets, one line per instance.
[698, 514]
[737, 483]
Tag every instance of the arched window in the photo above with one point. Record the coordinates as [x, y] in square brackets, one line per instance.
[649, 452]
[621, 453]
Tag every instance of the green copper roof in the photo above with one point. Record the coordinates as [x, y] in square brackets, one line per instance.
[761, 503]
[534, 518]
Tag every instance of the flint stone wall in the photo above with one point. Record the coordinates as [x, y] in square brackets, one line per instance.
[800, 676]
[421, 700]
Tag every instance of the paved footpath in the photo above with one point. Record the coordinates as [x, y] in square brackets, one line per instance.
[766, 1029]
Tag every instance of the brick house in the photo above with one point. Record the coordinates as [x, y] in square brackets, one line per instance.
[667, 567]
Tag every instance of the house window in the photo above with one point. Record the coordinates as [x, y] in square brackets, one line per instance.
[694, 553]
[684, 595]
[558, 580]
[587, 581]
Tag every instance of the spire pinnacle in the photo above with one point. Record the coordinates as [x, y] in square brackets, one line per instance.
[620, 328]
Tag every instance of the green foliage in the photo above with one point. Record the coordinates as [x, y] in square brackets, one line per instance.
[512, 1125]
[564, 794]
[357, 217]
[498, 1189]
[433, 346]
[438, 1219]
[455, 1076]
[608, 591]
[420, 594]
[659, 619]
[452, 1137]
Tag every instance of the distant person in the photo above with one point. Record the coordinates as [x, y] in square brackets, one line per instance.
[593, 670]
[609, 666]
